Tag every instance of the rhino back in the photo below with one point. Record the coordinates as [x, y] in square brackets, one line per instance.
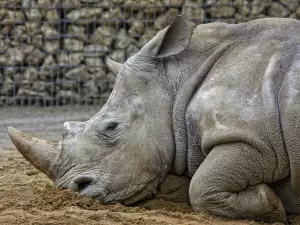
[244, 94]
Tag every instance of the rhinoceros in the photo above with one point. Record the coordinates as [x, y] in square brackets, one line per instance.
[218, 102]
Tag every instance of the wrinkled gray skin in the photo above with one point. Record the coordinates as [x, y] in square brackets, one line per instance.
[219, 102]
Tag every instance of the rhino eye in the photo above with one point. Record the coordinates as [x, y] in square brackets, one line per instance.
[112, 126]
[109, 131]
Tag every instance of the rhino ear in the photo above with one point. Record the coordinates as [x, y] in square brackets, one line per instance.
[113, 66]
[171, 40]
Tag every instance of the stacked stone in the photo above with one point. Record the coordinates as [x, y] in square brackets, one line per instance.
[29, 41]
[237, 11]
[54, 50]
[95, 29]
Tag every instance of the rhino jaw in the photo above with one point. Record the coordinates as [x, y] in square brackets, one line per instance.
[40, 153]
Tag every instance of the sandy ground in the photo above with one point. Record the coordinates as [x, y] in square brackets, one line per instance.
[28, 197]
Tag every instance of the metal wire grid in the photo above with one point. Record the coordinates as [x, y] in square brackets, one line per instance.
[41, 41]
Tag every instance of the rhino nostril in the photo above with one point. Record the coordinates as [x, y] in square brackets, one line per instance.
[82, 182]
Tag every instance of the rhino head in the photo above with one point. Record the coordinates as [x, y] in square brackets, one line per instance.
[127, 148]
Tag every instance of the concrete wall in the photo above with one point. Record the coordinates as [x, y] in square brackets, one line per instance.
[52, 51]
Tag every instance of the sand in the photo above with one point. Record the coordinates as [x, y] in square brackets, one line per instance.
[29, 197]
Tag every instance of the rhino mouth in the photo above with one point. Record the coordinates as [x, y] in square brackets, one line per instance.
[138, 193]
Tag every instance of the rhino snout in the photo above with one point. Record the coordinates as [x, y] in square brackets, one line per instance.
[87, 185]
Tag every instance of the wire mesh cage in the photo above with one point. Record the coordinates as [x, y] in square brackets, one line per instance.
[52, 51]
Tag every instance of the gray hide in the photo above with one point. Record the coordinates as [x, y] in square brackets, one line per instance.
[216, 101]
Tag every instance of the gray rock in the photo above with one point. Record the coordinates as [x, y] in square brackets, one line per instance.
[243, 7]
[240, 18]
[51, 46]
[3, 47]
[66, 97]
[76, 32]
[73, 45]
[27, 4]
[209, 2]
[5, 29]
[84, 15]
[20, 82]
[113, 15]
[95, 50]
[35, 57]
[51, 15]
[66, 84]
[52, 88]
[29, 93]
[19, 33]
[90, 89]
[30, 74]
[179, 2]
[193, 10]
[259, 6]
[290, 4]
[110, 82]
[147, 36]
[77, 74]
[101, 3]
[49, 32]
[103, 35]
[7, 87]
[39, 86]
[98, 75]
[14, 56]
[91, 1]
[27, 48]
[33, 14]
[3, 59]
[14, 43]
[298, 13]
[293, 16]
[2, 13]
[75, 58]
[223, 8]
[153, 7]
[123, 40]
[93, 63]
[131, 50]
[164, 19]
[48, 69]
[70, 59]
[68, 5]
[118, 55]
[13, 17]
[136, 29]
[32, 28]
[278, 10]
[63, 59]
[10, 71]
[37, 41]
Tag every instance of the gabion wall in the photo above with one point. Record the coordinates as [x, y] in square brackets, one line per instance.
[52, 51]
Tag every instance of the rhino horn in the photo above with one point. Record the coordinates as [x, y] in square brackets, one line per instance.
[40, 153]
[113, 66]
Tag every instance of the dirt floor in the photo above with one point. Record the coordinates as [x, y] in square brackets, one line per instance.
[28, 197]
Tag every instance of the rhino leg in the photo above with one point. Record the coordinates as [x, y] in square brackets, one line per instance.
[290, 200]
[230, 183]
